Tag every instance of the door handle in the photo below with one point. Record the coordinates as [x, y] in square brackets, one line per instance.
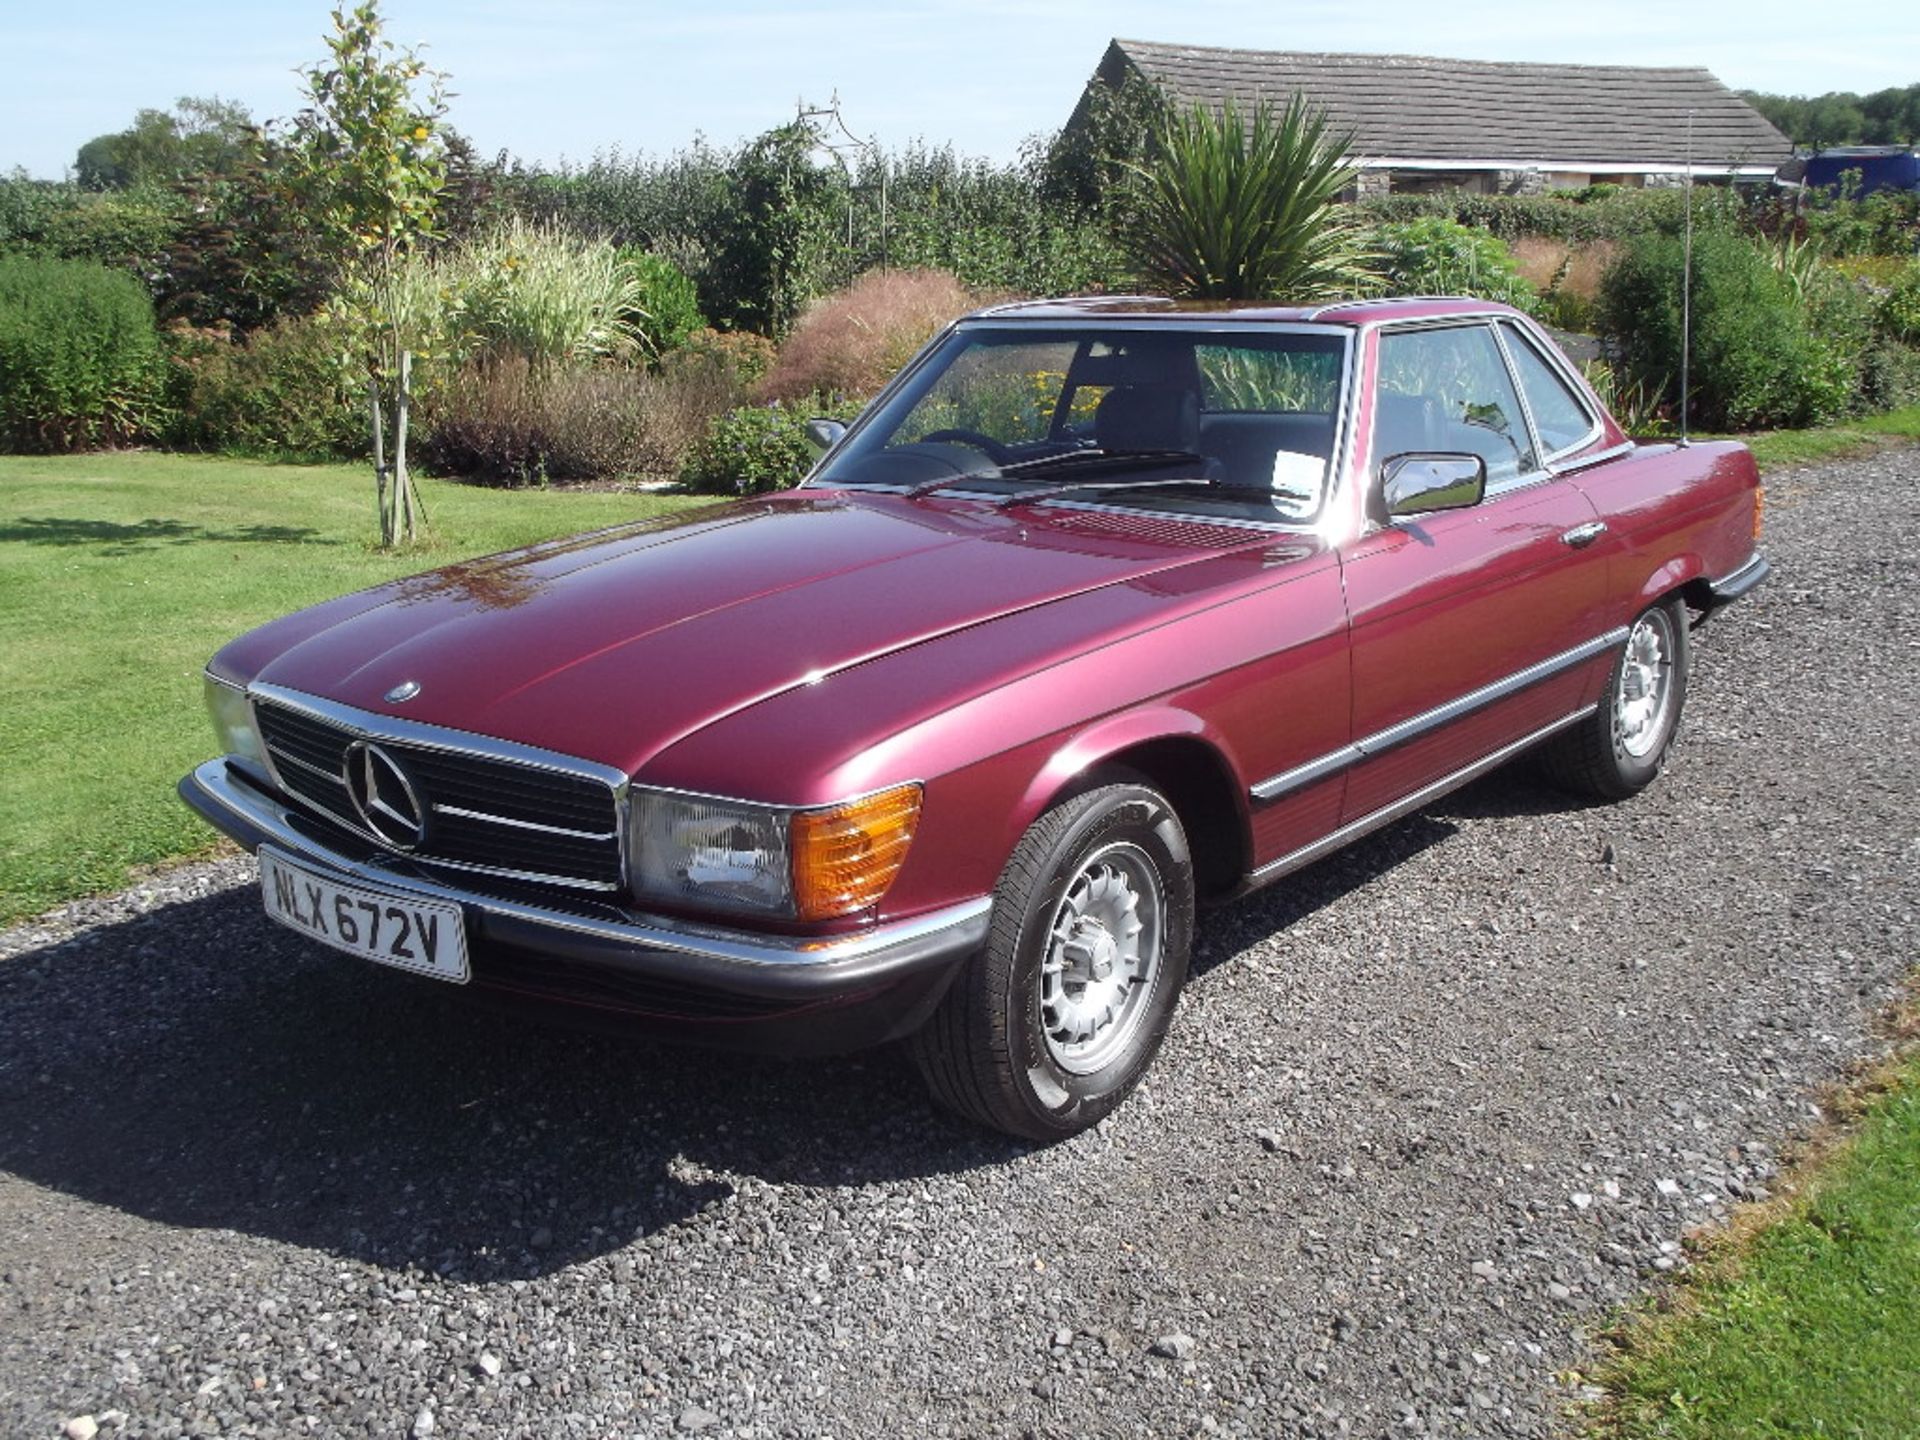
[1582, 536]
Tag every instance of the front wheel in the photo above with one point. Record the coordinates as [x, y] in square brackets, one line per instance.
[1055, 1020]
[1620, 748]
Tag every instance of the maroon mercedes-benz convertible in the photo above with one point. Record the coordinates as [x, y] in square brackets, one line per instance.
[1102, 609]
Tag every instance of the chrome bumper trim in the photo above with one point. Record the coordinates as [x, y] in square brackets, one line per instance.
[250, 816]
[1731, 587]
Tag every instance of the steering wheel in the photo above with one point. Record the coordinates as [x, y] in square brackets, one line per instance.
[986, 444]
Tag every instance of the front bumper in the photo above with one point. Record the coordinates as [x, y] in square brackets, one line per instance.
[773, 993]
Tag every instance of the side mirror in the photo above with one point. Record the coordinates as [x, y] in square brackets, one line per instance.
[1422, 484]
[823, 435]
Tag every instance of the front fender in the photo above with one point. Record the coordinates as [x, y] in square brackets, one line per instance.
[1126, 738]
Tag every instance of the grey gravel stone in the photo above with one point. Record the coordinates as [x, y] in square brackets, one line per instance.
[245, 1182]
[693, 1418]
[1174, 1347]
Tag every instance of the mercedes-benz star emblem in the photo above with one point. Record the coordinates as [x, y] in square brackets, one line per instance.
[404, 691]
[383, 794]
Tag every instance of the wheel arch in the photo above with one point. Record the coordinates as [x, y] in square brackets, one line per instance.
[1683, 575]
[1174, 753]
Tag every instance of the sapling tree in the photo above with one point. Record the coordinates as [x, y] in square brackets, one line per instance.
[368, 165]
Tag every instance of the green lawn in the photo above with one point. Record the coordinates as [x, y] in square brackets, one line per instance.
[120, 574]
[1779, 448]
[1809, 1328]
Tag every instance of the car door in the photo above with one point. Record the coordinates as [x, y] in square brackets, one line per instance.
[1474, 628]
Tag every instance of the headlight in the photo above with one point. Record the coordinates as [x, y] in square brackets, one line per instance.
[233, 722]
[801, 864]
[714, 852]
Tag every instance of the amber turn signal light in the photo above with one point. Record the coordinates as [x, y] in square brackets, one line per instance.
[845, 858]
[1759, 509]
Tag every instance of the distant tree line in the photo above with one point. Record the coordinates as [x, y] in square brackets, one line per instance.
[1886, 117]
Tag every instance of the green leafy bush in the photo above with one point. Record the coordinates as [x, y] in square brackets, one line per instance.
[1438, 256]
[80, 361]
[284, 391]
[1900, 309]
[128, 230]
[1608, 214]
[1889, 376]
[1758, 357]
[668, 309]
[510, 422]
[758, 447]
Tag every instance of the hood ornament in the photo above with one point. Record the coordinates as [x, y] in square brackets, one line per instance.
[405, 690]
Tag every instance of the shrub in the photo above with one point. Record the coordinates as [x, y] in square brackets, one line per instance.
[508, 421]
[283, 391]
[1889, 376]
[668, 311]
[1758, 359]
[757, 447]
[1567, 276]
[80, 361]
[1900, 309]
[532, 290]
[852, 343]
[1564, 216]
[740, 355]
[1438, 256]
[129, 230]
[1247, 209]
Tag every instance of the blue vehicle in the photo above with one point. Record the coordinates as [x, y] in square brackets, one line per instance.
[1880, 167]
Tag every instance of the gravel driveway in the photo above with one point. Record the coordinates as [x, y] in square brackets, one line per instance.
[1429, 1110]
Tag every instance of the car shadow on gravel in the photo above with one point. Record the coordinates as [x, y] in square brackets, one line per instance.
[198, 1066]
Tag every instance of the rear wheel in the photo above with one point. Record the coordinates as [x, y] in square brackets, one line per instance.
[1057, 1017]
[1620, 748]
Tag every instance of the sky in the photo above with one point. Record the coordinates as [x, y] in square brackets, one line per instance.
[567, 79]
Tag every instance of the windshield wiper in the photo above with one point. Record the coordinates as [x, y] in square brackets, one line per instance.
[1091, 459]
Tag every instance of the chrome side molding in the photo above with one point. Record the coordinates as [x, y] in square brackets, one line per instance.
[1337, 760]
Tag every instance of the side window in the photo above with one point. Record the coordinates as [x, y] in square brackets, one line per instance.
[1558, 414]
[1447, 391]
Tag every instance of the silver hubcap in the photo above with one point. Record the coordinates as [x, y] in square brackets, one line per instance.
[1103, 952]
[1645, 695]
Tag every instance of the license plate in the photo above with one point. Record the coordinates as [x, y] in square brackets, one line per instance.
[428, 937]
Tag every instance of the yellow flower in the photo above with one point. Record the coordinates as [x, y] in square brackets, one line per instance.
[420, 132]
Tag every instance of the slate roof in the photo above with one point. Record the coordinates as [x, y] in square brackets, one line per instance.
[1420, 107]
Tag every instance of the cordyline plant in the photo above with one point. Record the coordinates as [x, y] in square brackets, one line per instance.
[1247, 209]
[368, 166]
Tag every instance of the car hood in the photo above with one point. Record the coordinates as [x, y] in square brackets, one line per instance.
[613, 646]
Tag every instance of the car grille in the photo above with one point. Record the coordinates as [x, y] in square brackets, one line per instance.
[486, 816]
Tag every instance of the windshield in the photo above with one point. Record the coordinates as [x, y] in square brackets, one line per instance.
[1235, 422]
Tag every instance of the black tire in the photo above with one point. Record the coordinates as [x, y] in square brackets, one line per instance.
[1000, 1049]
[1614, 753]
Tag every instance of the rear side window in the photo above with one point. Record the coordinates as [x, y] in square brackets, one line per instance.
[1563, 422]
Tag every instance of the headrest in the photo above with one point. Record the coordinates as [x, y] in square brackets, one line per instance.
[1148, 417]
